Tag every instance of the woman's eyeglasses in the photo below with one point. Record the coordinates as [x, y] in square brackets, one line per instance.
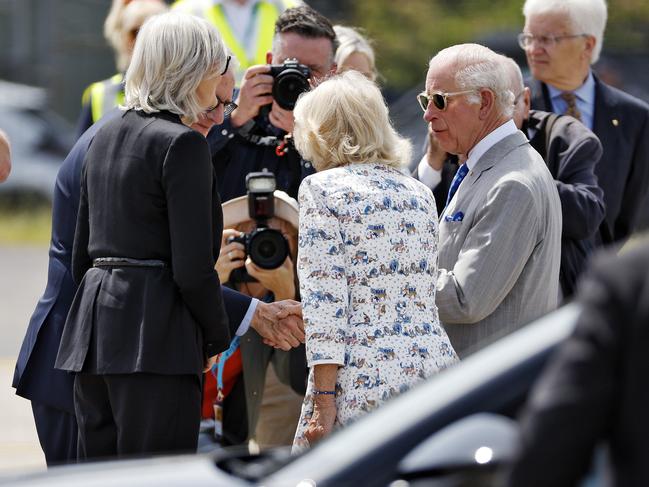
[228, 107]
[439, 99]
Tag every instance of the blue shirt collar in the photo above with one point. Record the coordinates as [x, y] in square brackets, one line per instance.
[585, 93]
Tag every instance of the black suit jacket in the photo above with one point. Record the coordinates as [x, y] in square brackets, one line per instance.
[148, 191]
[621, 122]
[595, 388]
[571, 153]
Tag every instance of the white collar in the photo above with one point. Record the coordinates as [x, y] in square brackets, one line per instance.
[491, 139]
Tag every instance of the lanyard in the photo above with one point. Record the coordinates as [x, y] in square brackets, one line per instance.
[219, 366]
[249, 33]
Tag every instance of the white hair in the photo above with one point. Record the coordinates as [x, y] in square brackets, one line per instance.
[173, 53]
[585, 16]
[344, 120]
[122, 18]
[516, 83]
[478, 67]
[351, 41]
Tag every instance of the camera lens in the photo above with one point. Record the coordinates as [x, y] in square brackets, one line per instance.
[288, 86]
[267, 248]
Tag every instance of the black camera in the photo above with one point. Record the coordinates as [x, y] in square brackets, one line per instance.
[266, 246]
[291, 80]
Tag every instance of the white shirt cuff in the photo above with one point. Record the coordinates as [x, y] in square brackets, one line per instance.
[427, 175]
[245, 322]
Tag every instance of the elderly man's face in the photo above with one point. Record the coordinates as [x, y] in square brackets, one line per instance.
[455, 128]
[557, 62]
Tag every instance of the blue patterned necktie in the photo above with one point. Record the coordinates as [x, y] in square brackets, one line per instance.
[459, 176]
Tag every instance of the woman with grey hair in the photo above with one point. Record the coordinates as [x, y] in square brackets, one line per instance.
[367, 260]
[148, 315]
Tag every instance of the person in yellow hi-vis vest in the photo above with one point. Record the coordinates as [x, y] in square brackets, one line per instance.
[247, 26]
[120, 29]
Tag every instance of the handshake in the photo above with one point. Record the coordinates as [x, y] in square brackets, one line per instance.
[279, 324]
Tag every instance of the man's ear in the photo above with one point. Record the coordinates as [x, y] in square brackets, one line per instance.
[527, 99]
[269, 57]
[487, 102]
[589, 47]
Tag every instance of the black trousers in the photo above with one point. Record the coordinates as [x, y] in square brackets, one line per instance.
[57, 433]
[129, 415]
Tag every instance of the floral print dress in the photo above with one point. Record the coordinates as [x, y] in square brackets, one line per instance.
[367, 265]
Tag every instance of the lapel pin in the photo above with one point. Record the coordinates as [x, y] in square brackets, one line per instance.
[615, 122]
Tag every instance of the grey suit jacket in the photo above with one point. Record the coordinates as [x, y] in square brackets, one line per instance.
[499, 262]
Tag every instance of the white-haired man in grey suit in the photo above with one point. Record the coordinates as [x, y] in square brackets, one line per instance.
[500, 233]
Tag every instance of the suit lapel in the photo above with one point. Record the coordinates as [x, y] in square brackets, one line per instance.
[496, 153]
[606, 117]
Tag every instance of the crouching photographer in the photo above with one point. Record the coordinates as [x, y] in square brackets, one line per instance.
[257, 134]
[243, 397]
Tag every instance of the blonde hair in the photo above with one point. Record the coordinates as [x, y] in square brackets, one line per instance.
[344, 120]
[174, 52]
[123, 17]
[350, 41]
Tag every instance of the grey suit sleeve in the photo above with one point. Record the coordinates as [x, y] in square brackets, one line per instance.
[495, 251]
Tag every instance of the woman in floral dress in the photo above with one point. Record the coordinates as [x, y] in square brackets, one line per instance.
[367, 259]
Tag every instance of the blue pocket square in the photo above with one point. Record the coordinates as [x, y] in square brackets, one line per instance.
[458, 217]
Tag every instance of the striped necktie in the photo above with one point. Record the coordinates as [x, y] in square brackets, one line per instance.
[459, 176]
[570, 98]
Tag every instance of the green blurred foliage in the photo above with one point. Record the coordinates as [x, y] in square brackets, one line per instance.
[407, 33]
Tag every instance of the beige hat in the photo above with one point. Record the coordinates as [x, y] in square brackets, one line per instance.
[235, 211]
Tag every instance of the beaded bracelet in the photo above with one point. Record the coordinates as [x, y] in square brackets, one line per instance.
[324, 393]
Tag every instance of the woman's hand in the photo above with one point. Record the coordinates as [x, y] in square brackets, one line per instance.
[323, 419]
[280, 281]
[231, 256]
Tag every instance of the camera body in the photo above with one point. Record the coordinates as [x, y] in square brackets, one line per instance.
[265, 246]
[291, 79]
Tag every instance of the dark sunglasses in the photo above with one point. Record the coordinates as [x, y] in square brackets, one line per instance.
[228, 107]
[439, 99]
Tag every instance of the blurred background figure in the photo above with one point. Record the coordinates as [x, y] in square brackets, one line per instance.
[120, 30]
[561, 40]
[594, 391]
[247, 26]
[354, 52]
[5, 157]
[258, 401]
[368, 259]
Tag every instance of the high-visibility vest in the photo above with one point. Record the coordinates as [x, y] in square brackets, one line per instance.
[265, 14]
[104, 95]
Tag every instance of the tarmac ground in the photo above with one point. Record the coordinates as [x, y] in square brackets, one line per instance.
[23, 274]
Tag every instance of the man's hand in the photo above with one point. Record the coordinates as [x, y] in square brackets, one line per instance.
[282, 119]
[209, 363]
[255, 92]
[280, 280]
[434, 154]
[279, 324]
[5, 157]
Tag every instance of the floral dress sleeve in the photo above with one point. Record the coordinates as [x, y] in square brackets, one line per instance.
[321, 269]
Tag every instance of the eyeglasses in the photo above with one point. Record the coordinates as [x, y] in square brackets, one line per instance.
[227, 65]
[526, 40]
[439, 99]
[228, 107]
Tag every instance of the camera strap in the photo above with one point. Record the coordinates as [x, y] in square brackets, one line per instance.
[281, 144]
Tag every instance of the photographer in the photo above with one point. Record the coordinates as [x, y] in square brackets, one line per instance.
[254, 137]
[256, 400]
